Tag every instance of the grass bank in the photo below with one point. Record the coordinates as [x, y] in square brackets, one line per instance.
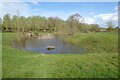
[96, 42]
[26, 64]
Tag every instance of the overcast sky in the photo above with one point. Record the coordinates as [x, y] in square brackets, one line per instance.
[93, 12]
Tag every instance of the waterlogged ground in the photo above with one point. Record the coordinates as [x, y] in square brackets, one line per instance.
[26, 64]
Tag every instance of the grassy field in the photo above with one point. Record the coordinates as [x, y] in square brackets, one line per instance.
[101, 62]
[96, 42]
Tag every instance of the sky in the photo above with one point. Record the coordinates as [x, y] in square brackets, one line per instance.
[92, 12]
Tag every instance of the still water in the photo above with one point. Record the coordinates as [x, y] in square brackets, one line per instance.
[40, 46]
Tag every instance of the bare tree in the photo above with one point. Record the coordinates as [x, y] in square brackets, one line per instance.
[74, 22]
[110, 26]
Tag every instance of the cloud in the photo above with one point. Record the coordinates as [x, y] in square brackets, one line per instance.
[14, 0]
[104, 18]
[60, 14]
[13, 7]
[35, 2]
[63, 0]
[116, 8]
[26, 10]
[107, 16]
[89, 20]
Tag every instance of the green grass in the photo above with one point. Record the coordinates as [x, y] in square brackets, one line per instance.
[26, 64]
[96, 42]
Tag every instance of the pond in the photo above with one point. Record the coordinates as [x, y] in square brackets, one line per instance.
[48, 46]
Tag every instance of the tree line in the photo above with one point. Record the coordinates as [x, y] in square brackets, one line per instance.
[74, 23]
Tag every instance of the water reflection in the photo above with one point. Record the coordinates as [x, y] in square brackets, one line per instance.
[40, 45]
